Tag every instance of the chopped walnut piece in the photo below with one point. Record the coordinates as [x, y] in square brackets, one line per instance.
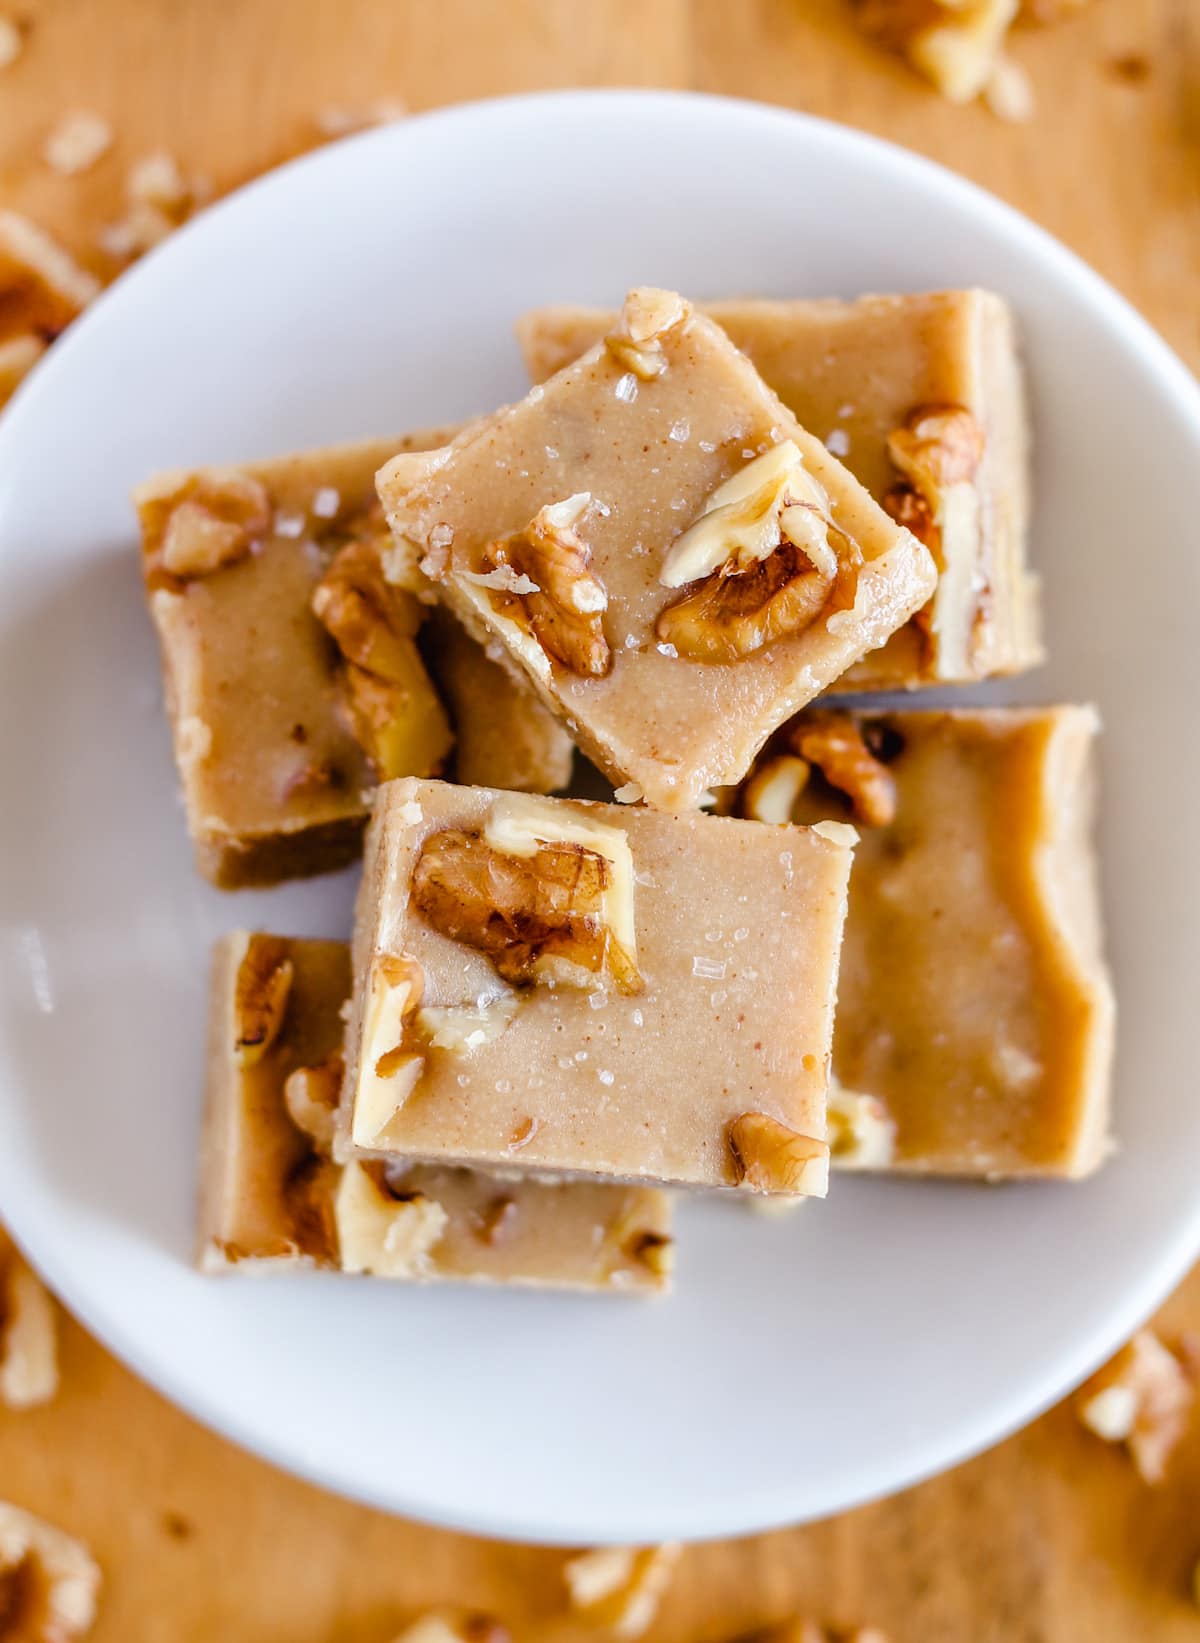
[654, 1250]
[371, 622]
[860, 1132]
[545, 900]
[28, 1335]
[308, 1196]
[392, 1066]
[49, 1582]
[834, 743]
[398, 718]
[464, 1028]
[770, 794]
[382, 1230]
[195, 524]
[619, 1588]
[264, 981]
[953, 43]
[42, 289]
[310, 1095]
[455, 1626]
[648, 316]
[541, 579]
[77, 142]
[938, 446]
[1142, 1398]
[761, 554]
[770, 1157]
[905, 504]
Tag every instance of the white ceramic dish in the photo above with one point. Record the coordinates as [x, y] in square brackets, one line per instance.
[802, 1366]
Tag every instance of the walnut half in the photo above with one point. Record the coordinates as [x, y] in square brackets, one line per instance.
[541, 580]
[49, 1582]
[761, 555]
[547, 897]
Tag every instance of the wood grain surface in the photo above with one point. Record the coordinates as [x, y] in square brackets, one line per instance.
[1051, 1538]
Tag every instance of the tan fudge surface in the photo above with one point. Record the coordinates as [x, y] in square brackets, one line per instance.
[852, 372]
[578, 1235]
[275, 781]
[672, 726]
[737, 937]
[974, 1001]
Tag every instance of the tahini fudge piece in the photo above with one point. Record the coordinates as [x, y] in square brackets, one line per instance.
[272, 1199]
[975, 1017]
[922, 398]
[42, 289]
[293, 677]
[593, 989]
[674, 562]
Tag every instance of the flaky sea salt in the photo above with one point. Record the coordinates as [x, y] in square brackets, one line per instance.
[707, 446]
[627, 388]
[325, 502]
[665, 649]
[604, 1076]
[838, 443]
[681, 431]
[288, 523]
[708, 969]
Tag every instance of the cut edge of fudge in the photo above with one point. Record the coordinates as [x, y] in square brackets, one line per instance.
[268, 1126]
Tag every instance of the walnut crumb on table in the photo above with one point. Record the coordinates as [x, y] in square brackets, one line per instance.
[49, 1581]
[77, 143]
[1143, 1399]
[28, 1335]
[619, 1588]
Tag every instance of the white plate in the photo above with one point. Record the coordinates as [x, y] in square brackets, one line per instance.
[801, 1366]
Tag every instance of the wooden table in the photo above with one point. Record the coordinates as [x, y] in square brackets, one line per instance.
[1048, 1538]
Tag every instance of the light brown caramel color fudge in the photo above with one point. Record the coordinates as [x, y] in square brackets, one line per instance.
[272, 1199]
[674, 562]
[279, 735]
[594, 989]
[864, 376]
[975, 1017]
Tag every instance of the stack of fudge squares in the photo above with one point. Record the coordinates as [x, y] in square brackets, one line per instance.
[807, 930]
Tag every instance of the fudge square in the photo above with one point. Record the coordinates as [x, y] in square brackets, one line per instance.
[922, 397]
[293, 675]
[975, 1017]
[273, 1200]
[594, 989]
[676, 564]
